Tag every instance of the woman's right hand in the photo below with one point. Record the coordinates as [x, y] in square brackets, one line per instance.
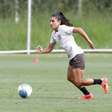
[39, 50]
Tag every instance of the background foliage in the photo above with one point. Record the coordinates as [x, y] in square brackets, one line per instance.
[94, 16]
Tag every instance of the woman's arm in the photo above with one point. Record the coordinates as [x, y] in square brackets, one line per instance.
[46, 50]
[84, 35]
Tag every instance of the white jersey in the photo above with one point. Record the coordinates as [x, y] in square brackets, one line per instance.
[64, 36]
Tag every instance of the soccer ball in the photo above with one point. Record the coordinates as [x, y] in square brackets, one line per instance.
[24, 90]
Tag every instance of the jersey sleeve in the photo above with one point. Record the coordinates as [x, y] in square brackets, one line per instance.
[67, 29]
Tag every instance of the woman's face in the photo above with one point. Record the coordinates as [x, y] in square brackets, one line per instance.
[54, 23]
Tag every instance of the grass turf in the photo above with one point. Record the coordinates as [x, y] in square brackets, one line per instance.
[51, 91]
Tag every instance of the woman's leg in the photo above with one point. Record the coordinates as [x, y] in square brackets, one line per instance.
[81, 82]
[75, 76]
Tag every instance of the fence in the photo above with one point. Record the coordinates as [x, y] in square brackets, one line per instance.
[56, 51]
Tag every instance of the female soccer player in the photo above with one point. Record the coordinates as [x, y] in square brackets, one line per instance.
[62, 32]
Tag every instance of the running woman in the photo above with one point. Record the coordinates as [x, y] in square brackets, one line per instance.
[62, 32]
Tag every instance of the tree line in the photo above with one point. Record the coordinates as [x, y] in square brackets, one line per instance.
[8, 7]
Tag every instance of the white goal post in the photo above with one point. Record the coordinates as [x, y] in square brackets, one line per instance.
[29, 26]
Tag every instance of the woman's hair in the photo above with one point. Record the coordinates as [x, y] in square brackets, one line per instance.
[60, 16]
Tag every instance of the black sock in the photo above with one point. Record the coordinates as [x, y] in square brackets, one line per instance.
[84, 90]
[97, 81]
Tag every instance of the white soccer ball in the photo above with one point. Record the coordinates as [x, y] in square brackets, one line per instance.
[24, 90]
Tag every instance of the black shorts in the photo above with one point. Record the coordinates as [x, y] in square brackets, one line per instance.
[78, 61]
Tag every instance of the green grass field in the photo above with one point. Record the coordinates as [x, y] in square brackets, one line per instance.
[51, 91]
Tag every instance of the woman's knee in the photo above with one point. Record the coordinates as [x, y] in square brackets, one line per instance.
[75, 82]
[78, 83]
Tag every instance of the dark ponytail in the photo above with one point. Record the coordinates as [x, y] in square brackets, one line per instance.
[60, 16]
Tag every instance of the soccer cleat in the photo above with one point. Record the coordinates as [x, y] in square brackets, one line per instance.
[104, 85]
[87, 97]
